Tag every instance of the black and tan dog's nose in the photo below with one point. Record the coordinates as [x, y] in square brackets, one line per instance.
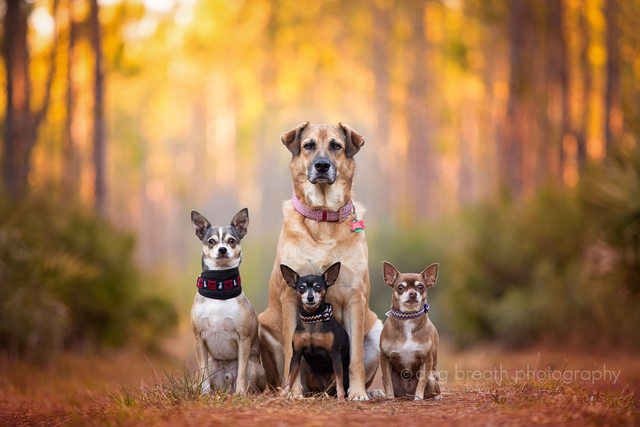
[222, 250]
[322, 166]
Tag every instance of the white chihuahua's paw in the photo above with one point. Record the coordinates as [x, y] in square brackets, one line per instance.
[205, 388]
[438, 397]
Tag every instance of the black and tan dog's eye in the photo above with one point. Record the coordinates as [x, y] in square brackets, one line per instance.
[318, 287]
[335, 146]
[301, 288]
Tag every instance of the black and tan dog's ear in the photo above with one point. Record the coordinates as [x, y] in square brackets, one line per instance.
[354, 141]
[331, 274]
[430, 275]
[290, 276]
[241, 221]
[291, 139]
[200, 224]
[390, 273]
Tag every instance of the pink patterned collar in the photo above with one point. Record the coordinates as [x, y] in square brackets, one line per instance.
[320, 215]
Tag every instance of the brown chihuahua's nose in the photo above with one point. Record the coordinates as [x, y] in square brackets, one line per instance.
[222, 250]
[413, 295]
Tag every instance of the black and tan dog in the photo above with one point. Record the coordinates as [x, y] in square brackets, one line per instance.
[318, 338]
[409, 341]
[317, 231]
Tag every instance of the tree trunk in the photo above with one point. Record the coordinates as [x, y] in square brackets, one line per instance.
[613, 108]
[98, 114]
[560, 72]
[70, 170]
[19, 134]
[511, 147]
[380, 66]
[421, 164]
[586, 88]
[21, 124]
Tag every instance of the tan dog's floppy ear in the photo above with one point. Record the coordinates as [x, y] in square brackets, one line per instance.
[430, 275]
[200, 224]
[390, 273]
[291, 139]
[290, 276]
[331, 274]
[241, 221]
[355, 141]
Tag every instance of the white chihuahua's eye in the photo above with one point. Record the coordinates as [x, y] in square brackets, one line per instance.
[231, 240]
[211, 241]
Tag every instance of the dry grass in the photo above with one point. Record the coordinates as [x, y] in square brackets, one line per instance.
[135, 392]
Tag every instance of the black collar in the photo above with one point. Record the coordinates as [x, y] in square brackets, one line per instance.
[220, 284]
[319, 316]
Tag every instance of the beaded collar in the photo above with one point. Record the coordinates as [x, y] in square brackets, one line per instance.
[403, 315]
[322, 317]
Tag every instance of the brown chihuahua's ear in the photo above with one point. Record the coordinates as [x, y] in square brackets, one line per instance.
[200, 224]
[430, 275]
[291, 139]
[355, 141]
[331, 274]
[390, 273]
[290, 276]
[241, 221]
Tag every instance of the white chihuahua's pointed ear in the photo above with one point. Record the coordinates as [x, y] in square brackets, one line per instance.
[241, 221]
[200, 224]
[331, 274]
[430, 275]
[390, 273]
[291, 139]
[290, 276]
[354, 142]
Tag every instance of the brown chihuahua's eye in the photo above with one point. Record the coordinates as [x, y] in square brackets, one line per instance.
[310, 145]
[400, 287]
[211, 241]
[335, 146]
[421, 287]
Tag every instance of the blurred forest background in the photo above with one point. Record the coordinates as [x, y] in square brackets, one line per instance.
[502, 141]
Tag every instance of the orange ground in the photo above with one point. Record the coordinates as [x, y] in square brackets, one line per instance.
[128, 388]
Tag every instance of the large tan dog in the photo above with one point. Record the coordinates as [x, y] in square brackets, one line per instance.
[322, 169]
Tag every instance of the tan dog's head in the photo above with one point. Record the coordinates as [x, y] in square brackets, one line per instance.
[409, 289]
[322, 156]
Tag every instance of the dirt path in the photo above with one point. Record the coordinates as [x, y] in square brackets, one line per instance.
[482, 387]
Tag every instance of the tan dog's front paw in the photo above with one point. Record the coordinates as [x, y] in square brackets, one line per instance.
[417, 398]
[358, 395]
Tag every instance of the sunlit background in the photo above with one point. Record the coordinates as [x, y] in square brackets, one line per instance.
[501, 141]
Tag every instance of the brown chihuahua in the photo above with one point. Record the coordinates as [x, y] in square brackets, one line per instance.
[409, 341]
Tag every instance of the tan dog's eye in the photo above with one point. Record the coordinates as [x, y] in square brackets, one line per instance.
[310, 145]
[335, 146]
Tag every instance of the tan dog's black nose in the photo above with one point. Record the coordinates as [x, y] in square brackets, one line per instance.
[322, 166]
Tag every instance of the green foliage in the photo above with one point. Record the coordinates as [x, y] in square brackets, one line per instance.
[68, 279]
[562, 265]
